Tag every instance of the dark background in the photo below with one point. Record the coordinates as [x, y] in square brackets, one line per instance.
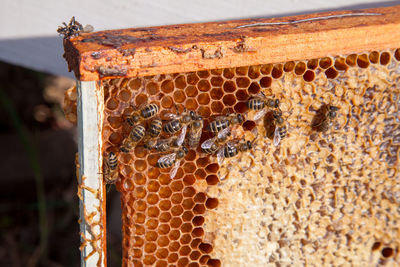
[38, 203]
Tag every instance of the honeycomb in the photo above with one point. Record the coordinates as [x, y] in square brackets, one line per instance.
[317, 199]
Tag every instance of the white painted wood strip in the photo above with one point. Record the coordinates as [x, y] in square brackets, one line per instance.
[91, 188]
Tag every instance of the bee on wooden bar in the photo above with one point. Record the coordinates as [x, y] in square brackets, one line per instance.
[322, 121]
[140, 114]
[110, 168]
[173, 159]
[135, 136]
[179, 121]
[195, 130]
[223, 122]
[153, 133]
[275, 126]
[261, 104]
[211, 146]
[73, 28]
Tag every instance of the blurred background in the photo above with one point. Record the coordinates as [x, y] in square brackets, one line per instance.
[38, 202]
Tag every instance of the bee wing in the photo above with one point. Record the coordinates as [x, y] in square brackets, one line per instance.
[174, 169]
[277, 136]
[220, 155]
[182, 135]
[224, 133]
[260, 114]
[208, 143]
[167, 158]
[171, 116]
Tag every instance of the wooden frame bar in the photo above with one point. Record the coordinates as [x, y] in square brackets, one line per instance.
[91, 191]
[193, 47]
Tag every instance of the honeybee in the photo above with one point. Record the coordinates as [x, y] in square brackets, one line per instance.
[140, 114]
[211, 146]
[73, 29]
[173, 159]
[195, 130]
[322, 121]
[275, 126]
[110, 168]
[231, 149]
[179, 122]
[223, 122]
[167, 144]
[153, 133]
[135, 136]
[260, 102]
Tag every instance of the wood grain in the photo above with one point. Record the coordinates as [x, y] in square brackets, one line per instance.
[192, 47]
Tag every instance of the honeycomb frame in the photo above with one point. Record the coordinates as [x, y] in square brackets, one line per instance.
[181, 235]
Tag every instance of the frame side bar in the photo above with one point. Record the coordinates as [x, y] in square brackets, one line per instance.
[91, 190]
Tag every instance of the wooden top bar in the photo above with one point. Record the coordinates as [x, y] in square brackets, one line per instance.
[192, 47]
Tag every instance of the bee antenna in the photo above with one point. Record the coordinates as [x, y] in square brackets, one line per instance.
[177, 108]
[261, 92]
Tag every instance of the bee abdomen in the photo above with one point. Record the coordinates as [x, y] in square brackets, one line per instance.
[112, 161]
[137, 133]
[256, 104]
[172, 126]
[155, 128]
[230, 151]
[164, 165]
[149, 111]
[217, 126]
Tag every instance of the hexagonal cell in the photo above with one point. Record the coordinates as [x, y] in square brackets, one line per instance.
[203, 99]
[183, 262]
[373, 57]
[152, 88]
[179, 96]
[217, 107]
[192, 78]
[151, 236]
[331, 73]
[153, 212]
[165, 216]
[167, 86]
[176, 222]
[397, 54]
[195, 255]
[191, 91]
[174, 246]
[351, 60]
[165, 205]
[266, 69]
[288, 66]
[217, 81]
[229, 99]
[300, 68]
[363, 61]
[204, 85]
[206, 248]
[384, 58]
[265, 82]
[325, 62]
[340, 64]
[277, 71]
[191, 104]
[176, 210]
[188, 204]
[216, 93]
[241, 71]
[187, 216]
[163, 241]
[167, 102]
[229, 73]
[161, 263]
[149, 259]
[173, 257]
[242, 82]
[211, 203]
[229, 87]
[309, 76]
[174, 234]
[180, 82]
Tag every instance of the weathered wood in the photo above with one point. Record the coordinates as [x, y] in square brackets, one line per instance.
[192, 47]
[91, 191]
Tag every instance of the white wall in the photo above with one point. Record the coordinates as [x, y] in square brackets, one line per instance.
[28, 28]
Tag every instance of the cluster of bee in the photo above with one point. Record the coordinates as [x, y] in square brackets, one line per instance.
[190, 126]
